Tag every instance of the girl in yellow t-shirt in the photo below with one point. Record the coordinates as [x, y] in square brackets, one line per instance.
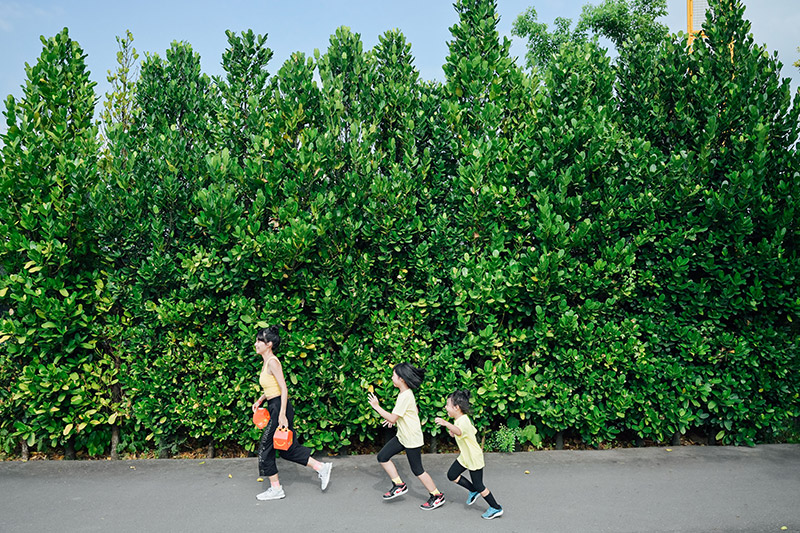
[409, 435]
[471, 457]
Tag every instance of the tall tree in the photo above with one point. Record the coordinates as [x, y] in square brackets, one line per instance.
[158, 168]
[623, 20]
[119, 106]
[244, 91]
[543, 44]
[722, 252]
[116, 120]
[50, 255]
[488, 102]
[617, 20]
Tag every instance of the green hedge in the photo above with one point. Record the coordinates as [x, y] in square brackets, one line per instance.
[605, 249]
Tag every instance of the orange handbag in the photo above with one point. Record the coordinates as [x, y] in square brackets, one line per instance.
[261, 418]
[282, 440]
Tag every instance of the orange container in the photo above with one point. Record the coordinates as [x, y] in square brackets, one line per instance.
[261, 418]
[282, 439]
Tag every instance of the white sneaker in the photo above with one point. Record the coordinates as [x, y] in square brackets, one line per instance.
[325, 474]
[271, 494]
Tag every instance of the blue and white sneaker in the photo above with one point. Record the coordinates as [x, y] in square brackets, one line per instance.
[473, 496]
[492, 513]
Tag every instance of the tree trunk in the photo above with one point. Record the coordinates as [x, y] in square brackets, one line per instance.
[116, 398]
[434, 443]
[24, 451]
[163, 449]
[211, 450]
[114, 442]
[560, 440]
[676, 438]
[69, 449]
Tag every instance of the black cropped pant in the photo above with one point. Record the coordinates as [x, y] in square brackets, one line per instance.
[414, 455]
[457, 469]
[266, 450]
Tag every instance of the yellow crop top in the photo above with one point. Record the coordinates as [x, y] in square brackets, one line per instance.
[268, 382]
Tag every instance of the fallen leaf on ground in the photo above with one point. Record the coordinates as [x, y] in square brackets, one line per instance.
[230, 476]
[527, 471]
[260, 479]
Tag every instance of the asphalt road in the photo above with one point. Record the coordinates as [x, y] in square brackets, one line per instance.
[689, 488]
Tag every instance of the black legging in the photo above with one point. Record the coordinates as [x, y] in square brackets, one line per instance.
[414, 455]
[457, 469]
[266, 450]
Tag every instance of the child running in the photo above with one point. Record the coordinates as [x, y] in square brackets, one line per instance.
[281, 412]
[409, 435]
[471, 457]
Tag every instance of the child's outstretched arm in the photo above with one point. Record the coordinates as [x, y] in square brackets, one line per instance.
[454, 430]
[391, 418]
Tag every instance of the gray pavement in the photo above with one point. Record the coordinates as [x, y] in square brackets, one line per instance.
[690, 488]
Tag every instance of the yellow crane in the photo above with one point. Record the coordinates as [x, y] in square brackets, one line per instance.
[695, 16]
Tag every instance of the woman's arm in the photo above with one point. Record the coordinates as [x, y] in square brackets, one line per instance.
[258, 402]
[277, 371]
[389, 417]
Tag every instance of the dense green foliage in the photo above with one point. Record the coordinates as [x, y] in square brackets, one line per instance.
[618, 21]
[55, 378]
[602, 250]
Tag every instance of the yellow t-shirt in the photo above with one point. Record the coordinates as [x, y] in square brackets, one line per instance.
[409, 430]
[471, 456]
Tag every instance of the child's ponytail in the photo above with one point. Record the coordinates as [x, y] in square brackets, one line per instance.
[460, 399]
[412, 375]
